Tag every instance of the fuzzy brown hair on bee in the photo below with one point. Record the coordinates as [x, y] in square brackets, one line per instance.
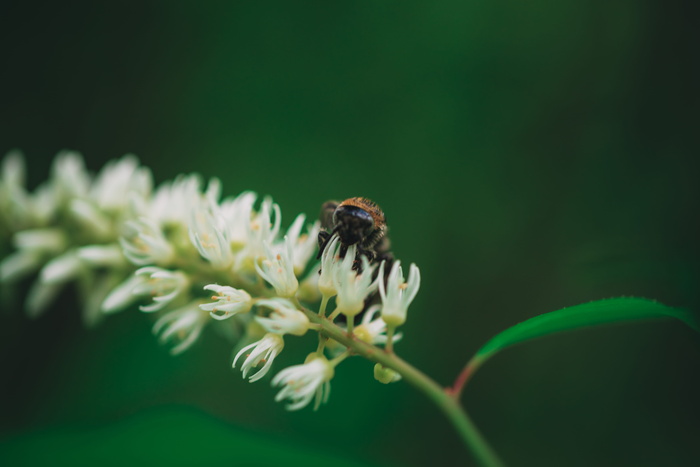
[356, 221]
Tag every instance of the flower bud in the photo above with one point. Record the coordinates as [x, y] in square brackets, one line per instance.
[385, 375]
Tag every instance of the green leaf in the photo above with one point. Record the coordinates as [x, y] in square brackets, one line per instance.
[614, 310]
[168, 436]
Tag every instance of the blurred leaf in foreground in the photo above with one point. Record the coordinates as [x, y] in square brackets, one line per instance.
[173, 436]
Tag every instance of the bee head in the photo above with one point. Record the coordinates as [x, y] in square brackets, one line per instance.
[353, 224]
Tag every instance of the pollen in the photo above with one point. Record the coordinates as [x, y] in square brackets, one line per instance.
[279, 257]
[403, 286]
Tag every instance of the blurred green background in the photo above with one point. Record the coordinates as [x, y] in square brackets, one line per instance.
[529, 156]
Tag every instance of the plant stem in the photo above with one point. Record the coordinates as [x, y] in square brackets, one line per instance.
[389, 339]
[324, 303]
[464, 376]
[449, 405]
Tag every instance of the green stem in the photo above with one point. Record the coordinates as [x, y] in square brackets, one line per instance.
[390, 339]
[321, 343]
[324, 303]
[351, 324]
[339, 358]
[334, 315]
[449, 405]
[465, 375]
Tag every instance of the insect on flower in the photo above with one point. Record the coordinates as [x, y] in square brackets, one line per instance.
[356, 221]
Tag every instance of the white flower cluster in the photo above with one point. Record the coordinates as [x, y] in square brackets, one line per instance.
[192, 259]
[68, 228]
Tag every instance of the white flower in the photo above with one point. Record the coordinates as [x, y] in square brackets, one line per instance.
[15, 202]
[34, 246]
[144, 243]
[398, 294]
[118, 181]
[43, 203]
[92, 219]
[265, 350]
[352, 287]
[52, 278]
[305, 382]
[209, 235]
[278, 270]
[184, 324]
[308, 288]
[50, 240]
[102, 255]
[373, 328]
[14, 169]
[260, 229]
[162, 285]
[284, 318]
[70, 176]
[61, 268]
[95, 289]
[237, 213]
[303, 245]
[329, 263]
[19, 264]
[123, 294]
[229, 301]
[40, 296]
[172, 202]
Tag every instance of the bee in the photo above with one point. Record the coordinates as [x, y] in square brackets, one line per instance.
[356, 221]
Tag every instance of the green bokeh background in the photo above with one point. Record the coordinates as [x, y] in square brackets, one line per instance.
[529, 156]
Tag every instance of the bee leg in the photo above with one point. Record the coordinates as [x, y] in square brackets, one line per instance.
[323, 238]
[368, 253]
[388, 258]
